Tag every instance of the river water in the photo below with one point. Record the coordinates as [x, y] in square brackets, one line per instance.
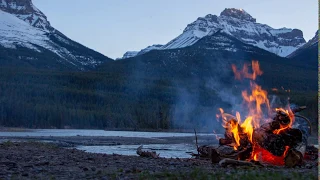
[165, 150]
[80, 132]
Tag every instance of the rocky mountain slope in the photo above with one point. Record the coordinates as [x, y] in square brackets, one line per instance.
[311, 44]
[241, 25]
[142, 51]
[26, 28]
[307, 54]
[211, 57]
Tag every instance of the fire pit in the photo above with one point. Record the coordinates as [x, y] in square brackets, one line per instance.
[266, 136]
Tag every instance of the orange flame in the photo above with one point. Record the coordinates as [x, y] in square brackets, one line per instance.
[254, 101]
[247, 127]
[257, 101]
[245, 71]
[284, 127]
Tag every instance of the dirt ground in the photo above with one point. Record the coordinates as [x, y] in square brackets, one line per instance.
[35, 160]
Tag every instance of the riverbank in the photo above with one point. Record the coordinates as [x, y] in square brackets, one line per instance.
[14, 129]
[20, 129]
[34, 160]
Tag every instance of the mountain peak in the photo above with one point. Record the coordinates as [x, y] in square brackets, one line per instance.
[28, 39]
[241, 25]
[26, 11]
[238, 14]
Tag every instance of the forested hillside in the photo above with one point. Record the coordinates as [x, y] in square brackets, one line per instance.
[171, 89]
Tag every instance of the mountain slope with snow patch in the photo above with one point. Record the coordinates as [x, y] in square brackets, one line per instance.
[22, 25]
[241, 25]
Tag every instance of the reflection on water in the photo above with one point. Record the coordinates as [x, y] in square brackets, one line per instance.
[78, 132]
[165, 150]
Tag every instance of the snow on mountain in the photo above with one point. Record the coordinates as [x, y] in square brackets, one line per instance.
[23, 25]
[241, 25]
[26, 11]
[14, 32]
[149, 48]
[129, 54]
[224, 42]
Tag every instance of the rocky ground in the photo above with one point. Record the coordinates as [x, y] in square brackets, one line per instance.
[34, 160]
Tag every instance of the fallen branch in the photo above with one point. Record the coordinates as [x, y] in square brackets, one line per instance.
[142, 153]
[197, 146]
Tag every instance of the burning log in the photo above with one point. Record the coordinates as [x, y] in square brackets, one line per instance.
[256, 138]
[293, 158]
[274, 142]
[205, 151]
[216, 154]
[229, 136]
[142, 153]
[277, 135]
[225, 141]
[225, 162]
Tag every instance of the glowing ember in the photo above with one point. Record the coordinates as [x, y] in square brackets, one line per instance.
[262, 155]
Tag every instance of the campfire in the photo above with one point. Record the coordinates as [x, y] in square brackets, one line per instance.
[263, 135]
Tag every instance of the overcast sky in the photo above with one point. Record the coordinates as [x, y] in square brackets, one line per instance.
[113, 27]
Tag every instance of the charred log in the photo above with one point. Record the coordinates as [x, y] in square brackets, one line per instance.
[245, 153]
[205, 151]
[276, 143]
[291, 137]
[229, 137]
[282, 117]
[293, 158]
[215, 157]
[216, 154]
[223, 141]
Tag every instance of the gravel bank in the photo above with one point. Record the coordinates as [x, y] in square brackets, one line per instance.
[34, 160]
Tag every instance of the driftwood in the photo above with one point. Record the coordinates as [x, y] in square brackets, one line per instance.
[225, 162]
[142, 153]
